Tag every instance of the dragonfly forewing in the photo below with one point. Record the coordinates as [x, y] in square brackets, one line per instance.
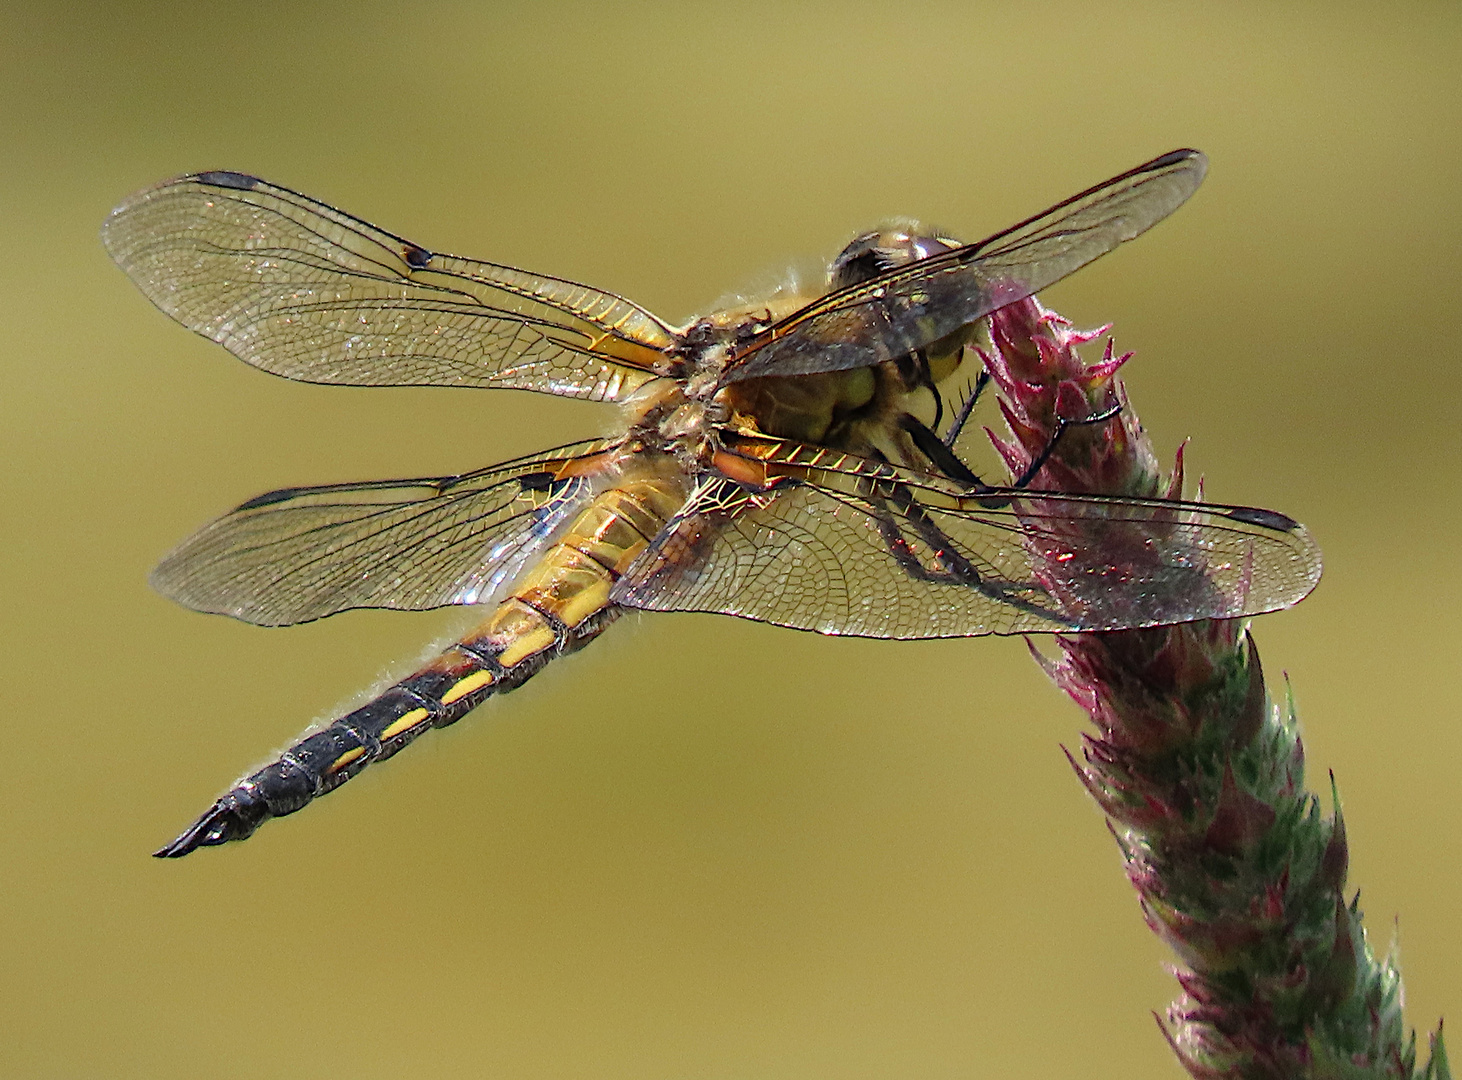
[909, 308]
[300, 289]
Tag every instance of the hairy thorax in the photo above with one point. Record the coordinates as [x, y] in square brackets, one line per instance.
[860, 411]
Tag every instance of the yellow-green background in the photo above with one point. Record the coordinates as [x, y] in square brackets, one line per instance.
[704, 848]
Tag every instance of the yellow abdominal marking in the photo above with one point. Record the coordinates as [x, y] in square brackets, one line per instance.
[476, 681]
[345, 759]
[530, 644]
[405, 722]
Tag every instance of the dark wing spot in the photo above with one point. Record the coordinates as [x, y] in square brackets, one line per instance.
[416, 257]
[445, 484]
[1268, 519]
[271, 497]
[537, 481]
[229, 180]
[1172, 157]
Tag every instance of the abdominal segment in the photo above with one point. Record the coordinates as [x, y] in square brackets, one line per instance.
[560, 604]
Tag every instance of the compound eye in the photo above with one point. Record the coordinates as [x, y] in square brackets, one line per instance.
[862, 259]
[873, 253]
[925, 247]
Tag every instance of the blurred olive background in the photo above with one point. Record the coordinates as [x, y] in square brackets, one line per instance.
[704, 847]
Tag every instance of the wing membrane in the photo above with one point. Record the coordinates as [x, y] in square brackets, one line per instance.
[859, 548]
[912, 306]
[303, 553]
[303, 290]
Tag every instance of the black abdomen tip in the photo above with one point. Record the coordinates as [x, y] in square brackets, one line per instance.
[233, 817]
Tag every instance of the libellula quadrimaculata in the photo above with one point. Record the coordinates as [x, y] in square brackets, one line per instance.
[774, 462]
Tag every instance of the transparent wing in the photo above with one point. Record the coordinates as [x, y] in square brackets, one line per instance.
[848, 546]
[303, 290]
[303, 553]
[912, 306]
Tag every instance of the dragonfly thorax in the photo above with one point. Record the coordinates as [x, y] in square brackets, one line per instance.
[663, 417]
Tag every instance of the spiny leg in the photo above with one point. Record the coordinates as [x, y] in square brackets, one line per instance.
[962, 417]
[955, 569]
[940, 455]
[1062, 424]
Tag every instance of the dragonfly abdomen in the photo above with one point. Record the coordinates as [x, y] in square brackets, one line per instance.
[560, 604]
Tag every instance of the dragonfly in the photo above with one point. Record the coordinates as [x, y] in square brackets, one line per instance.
[774, 461]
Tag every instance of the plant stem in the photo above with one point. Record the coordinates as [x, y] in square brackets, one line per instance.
[1201, 776]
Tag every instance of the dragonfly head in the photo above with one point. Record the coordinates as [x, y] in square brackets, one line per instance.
[884, 249]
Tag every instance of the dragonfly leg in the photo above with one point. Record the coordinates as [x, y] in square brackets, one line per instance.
[955, 568]
[962, 417]
[1062, 425]
[926, 380]
[940, 455]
